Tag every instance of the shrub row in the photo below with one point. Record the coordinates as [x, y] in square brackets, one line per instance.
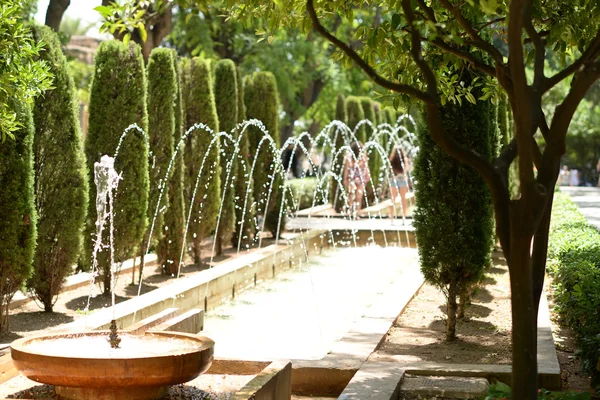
[574, 264]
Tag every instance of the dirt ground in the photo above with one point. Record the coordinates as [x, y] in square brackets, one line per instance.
[30, 319]
[483, 336]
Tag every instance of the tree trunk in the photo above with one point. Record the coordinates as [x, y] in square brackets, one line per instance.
[54, 13]
[219, 245]
[524, 317]
[465, 297]
[197, 251]
[141, 261]
[48, 307]
[451, 312]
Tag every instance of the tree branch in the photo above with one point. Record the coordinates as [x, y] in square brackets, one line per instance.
[477, 40]
[397, 87]
[428, 10]
[461, 153]
[540, 54]
[521, 94]
[589, 54]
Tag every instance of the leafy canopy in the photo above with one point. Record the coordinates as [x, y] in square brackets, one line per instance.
[22, 76]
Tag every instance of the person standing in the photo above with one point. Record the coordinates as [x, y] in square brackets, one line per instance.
[598, 170]
[564, 176]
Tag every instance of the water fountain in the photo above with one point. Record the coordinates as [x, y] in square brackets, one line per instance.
[108, 365]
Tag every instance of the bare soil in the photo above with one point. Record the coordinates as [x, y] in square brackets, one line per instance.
[483, 336]
[30, 319]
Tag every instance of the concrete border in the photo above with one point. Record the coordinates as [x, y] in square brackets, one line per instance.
[330, 376]
[548, 366]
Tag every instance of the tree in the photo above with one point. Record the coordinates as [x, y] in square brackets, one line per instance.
[147, 23]
[443, 29]
[117, 100]
[19, 219]
[199, 103]
[162, 94]
[339, 138]
[372, 153]
[172, 240]
[262, 103]
[356, 114]
[23, 77]
[454, 248]
[227, 111]
[389, 116]
[244, 210]
[54, 13]
[61, 181]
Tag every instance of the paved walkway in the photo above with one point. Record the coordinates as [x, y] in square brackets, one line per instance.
[342, 224]
[303, 311]
[588, 200]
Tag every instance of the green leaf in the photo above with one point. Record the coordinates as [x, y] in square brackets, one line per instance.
[143, 33]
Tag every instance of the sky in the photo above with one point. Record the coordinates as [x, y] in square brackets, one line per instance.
[81, 9]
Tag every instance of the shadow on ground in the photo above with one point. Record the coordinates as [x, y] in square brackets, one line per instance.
[97, 302]
[33, 321]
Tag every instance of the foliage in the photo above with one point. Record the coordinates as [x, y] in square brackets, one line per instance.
[454, 248]
[162, 94]
[199, 103]
[61, 181]
[414, 48]
[117, 100]
[262, 102]
[373, 155]
[305, 192]
[17, 206]
[573, 262]
[243, 181]
[389, 116]
[341, 114]
[226, 98]
[501, 391]
[82, 76]
[338, 139]
[356, 114]
[172, 241]
[23, 76]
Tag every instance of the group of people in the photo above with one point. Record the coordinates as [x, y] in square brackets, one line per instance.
[575, 177]
[356, 177]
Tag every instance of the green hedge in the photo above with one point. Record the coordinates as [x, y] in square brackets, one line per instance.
[162, 91]
[117, 100]
[574, 264]
[200, 107]
[262, 102]
[303, 192]
[172, 240]
[227, 110]
[455, 248]
[17, 210]
[355, 115]
[61, 188]
[243, 183]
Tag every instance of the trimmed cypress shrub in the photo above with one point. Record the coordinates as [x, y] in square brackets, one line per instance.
[355, 115]
[372, 153]
[389, 116]
[200, 108]
[454, 247]
[172, 241]
[118, 99]
[378, 113]
[262, 102]
[162, 93]
[243, 183]
[18, 231]
[61, 181]
[341, 114]
[227, 110]
[367, 105]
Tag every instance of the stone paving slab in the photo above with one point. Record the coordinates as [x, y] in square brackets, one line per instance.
[448, 386]
[374, 381]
